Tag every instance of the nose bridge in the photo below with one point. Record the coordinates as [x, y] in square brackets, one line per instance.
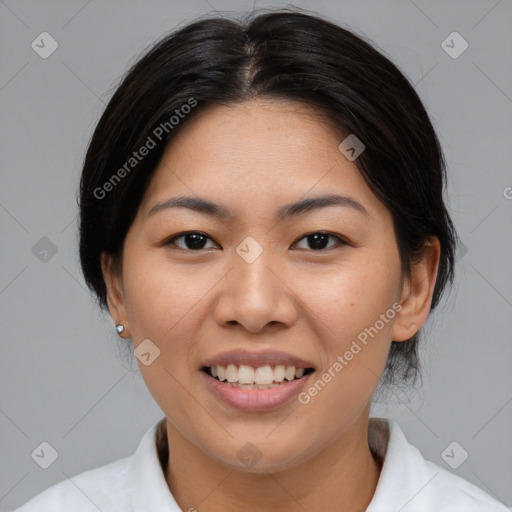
[251, 268]
[255, 296]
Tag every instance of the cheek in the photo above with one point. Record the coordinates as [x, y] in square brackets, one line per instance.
[349, 298]
[163, 304]
[161, 296]
[166, 304]
[351, 310]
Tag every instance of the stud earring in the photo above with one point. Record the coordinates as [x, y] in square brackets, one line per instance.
[119, 329]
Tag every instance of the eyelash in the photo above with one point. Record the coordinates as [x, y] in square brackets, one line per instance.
[170, 241]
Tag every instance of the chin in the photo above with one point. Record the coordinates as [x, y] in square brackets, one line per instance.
[255, 458]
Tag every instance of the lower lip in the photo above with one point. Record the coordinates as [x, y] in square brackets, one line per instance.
[253, 400]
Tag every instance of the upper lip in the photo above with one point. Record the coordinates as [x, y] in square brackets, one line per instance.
[256, 359]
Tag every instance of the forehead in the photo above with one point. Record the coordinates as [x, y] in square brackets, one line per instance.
[257, 154]
[255, 131]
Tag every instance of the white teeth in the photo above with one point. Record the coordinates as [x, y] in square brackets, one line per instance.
[221, 372]
[279, 373]
[232, 373]
[290, 373]
[263, 375]
[246, 375]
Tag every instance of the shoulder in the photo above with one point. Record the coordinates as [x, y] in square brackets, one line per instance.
[410, 483]
[449, 492]
[102, 488]
[130, 483]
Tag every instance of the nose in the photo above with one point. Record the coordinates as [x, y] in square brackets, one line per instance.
[256, 295]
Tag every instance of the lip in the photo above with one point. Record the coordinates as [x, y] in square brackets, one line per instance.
[256, 359]
[255, 400]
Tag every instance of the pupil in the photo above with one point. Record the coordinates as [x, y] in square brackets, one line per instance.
[317, 242]
[194, 240]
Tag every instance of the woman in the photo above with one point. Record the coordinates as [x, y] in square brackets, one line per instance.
[262, 214]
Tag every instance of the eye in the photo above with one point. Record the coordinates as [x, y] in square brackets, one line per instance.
[318, 240]
[193, 240]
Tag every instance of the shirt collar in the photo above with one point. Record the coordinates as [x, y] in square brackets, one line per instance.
[148, 486]
[404, 473]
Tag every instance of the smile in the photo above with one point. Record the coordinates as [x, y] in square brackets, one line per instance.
[281, 387]
[263, 377]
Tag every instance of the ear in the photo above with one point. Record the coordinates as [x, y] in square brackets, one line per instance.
[416, 296]
[115, 292]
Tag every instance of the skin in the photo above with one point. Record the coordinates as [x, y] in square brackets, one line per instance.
[253, 158]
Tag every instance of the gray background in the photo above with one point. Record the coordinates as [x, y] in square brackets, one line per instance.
[62, 379]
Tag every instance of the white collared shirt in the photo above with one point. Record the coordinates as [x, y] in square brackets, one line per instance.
[407, 483]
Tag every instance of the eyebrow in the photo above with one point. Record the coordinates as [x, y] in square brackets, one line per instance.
[207, 207]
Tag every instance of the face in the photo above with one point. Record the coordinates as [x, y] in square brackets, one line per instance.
[317, 287]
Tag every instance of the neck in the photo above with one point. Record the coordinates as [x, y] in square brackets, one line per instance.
[343, 476]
